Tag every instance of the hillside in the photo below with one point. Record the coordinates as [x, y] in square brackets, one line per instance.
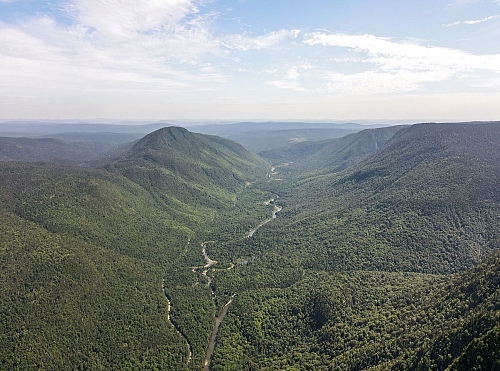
[91, 249]
[367, 320]
[264, 136]
[358, 270]
[427, 201]
[328, 156]
[203, 170]
[37, 128]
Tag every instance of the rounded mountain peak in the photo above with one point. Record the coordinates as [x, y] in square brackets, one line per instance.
[168, 139]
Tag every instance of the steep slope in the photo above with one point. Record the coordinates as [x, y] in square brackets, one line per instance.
[264, 136]
[268, 140]
[467, 337]
[86, 252]
[358, 272]
[83, 254]
[181, 169]
[334, 155]
[367, 321]
[427, 201]
[31, 128]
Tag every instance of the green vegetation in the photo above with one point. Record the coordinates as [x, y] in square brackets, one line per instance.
[426, 202]
[365, 319]
[329, 156]
[86, 252]
[383, 257]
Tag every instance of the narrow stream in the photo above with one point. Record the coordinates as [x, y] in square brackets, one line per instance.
[215, 331]
[169, 306]
[276, 210]
[206, 267]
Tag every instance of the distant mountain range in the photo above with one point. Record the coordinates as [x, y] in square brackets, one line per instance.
[255, 136]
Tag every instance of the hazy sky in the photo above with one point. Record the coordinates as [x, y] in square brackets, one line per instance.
[250, 59]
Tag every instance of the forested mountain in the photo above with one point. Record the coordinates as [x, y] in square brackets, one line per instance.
[334, 155]
[84, 252]
[340, 254]
[183, 170]
[367, 320]
[427, 201]
[35, 128]
[376, 251]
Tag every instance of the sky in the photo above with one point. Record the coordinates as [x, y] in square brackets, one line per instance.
[422, 60]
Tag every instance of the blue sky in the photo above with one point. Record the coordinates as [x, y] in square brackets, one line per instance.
[250, 59]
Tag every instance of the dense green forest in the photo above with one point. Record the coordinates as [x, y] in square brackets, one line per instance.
[357, 270]
[372, 251]
[86, 252]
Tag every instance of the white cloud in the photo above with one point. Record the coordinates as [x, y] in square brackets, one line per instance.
[373, 82]
[123, 46]
[474, 21]
[292, 73]
[115, 44]
[270, 40]
[391, 55]
[399, 66]
[123, 19]
[461, 3]
[161, 50]
[464, 2]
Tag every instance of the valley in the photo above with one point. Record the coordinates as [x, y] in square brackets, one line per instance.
[176, 252]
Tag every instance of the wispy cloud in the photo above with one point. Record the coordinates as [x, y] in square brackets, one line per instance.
[399, 66]
[165, 49]
[136, 44]
[292, 73]
[292, 79]
[114, 44]
[125, 18]
[461, 3]
[243, 42]
[376, 82]
[390, 55]
[474, 21]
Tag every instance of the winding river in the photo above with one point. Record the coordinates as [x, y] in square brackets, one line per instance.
[206, 267]
[276, 210]
[208, 264]
[169, 306]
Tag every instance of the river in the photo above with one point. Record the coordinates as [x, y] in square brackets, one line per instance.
[213, 337]
[276, 210]
[169, 306]
[210, 263]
